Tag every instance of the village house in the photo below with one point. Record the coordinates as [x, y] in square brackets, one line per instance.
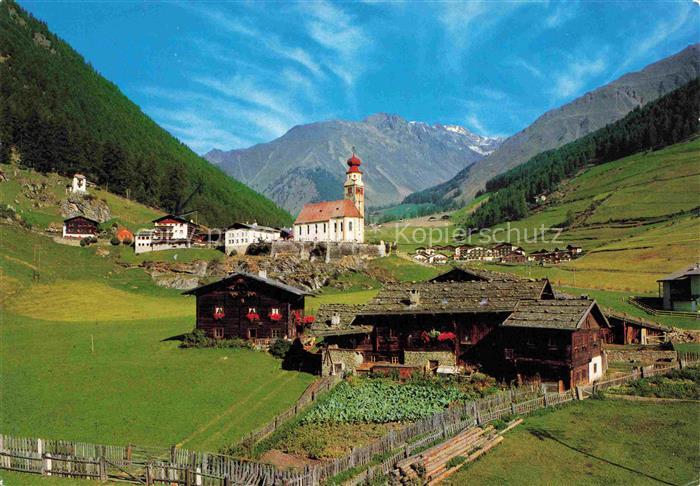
[680, 291]
[240, 235]
[514, 329]
[558, 340]
[80, 227]
[252, 307]
[336, 221]
[79, 184]
[168, 232]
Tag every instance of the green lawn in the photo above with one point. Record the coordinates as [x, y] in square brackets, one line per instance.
[136, 386]
[404, 270]
[595, 442]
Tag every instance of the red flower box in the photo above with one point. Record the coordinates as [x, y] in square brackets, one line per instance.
[275, 317]
[447, 336]
[219, 313]
[253, 316]
[309, 319]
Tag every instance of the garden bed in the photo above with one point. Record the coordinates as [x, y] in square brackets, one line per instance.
[359, 411]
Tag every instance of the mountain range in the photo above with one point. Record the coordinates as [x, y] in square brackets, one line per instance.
[307, 163]
[569, 122]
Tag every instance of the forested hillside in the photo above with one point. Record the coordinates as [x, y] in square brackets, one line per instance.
[58, 114]
[663, 122]
[567, 123]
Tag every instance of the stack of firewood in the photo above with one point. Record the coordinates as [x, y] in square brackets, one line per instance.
[435, 464]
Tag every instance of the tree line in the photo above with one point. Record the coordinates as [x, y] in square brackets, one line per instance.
[665, 121]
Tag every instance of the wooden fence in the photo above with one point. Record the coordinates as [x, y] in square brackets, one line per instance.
[660, 312]
[189, 468]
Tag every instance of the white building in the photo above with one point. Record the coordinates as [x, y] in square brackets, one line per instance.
[240, 235]
[79, 185]
[336, 221]
[169, 232]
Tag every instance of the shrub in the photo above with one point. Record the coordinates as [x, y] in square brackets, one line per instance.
[279, 348]
[199, 339]
[115, 241]
[127, 241]
[84, 242]
[455, 461]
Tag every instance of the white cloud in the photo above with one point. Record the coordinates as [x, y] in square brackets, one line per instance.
[199, 133]
[475, 125]
[527, 66]
[652, 37]
[341, 36]
[576, 75]
[563, 12]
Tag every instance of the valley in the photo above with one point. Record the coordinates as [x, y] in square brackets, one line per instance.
[333, 294]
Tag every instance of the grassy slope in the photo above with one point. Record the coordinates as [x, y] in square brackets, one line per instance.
[135, 387]
[127, 213]
[595, 442]
[634, 234]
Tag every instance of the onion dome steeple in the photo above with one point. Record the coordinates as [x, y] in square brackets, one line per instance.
[354, 163]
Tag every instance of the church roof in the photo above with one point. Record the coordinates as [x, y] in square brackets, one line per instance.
[327, 210]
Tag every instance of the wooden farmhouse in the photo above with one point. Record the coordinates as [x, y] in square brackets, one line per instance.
[251, 307]
[556, 339]
[80, 227]
[513, 329]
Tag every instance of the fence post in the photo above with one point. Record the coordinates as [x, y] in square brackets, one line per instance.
[46, 465]
[546, 400]
[148, 475]
[172, 454]
[103, 468]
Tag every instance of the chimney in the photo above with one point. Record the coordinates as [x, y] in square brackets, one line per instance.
[414, 297]
[335, 319]
[262, 273]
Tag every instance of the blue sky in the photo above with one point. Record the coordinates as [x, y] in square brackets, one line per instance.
[229, 75]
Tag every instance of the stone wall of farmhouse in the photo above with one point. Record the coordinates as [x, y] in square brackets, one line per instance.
[644, 356]
[423, 358]
[312, 250]
[349, 358]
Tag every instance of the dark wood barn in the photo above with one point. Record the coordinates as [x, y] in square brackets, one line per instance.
[80, 227]
[251, 307]
[555, 340]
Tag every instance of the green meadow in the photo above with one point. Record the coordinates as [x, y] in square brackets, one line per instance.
[595, 442]
[86, 355]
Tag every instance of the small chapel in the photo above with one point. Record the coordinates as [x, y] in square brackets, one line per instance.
[336, 221]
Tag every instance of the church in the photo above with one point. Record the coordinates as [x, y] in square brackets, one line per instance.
[336, 221]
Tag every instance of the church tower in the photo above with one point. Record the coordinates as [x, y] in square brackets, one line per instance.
[354, 187]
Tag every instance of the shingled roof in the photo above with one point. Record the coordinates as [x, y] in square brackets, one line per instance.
[454, 297]
[567, 314]
[238, 275]
[324, 325]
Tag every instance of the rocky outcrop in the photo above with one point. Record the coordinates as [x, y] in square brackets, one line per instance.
[303, 274]
[85, 205]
